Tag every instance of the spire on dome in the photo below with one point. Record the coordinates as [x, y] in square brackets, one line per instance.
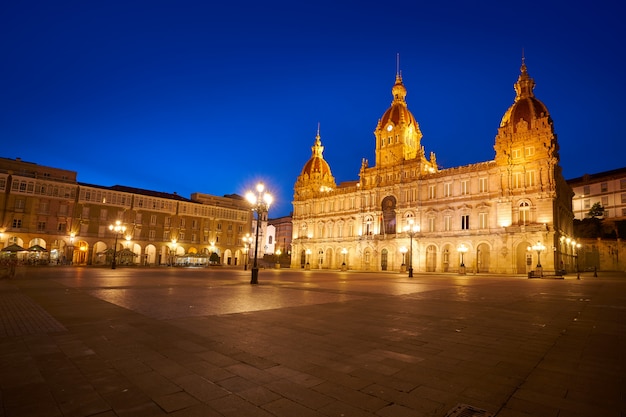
[398, 90]
[317, 149]
[525, 84]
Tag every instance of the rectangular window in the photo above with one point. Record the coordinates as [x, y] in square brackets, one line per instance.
[605, 201]
[62, 227]
[623, 198]
[604, 187]
[482, 185]
[482, 220]
[103, 214]
[587, 203]
[622, 184]
[517, 153]
[17, 223]
[586, 190]
[152, 234]
[447, 223]
[517, 180]
[465, 222]
[182, 222]
[431, 224]
[166, 235]
[431, 192]
[41, 226]
[530, 179]
[529, 151]
[464, 187]
[167, 221]
[153, 220]
[181, 236]
[19, 204]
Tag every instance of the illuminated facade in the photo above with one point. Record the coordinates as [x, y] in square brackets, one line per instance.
[46, 206]
[485, 215]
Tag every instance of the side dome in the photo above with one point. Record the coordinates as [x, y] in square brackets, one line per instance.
[316, 175]
[316, 167]
[526, 106]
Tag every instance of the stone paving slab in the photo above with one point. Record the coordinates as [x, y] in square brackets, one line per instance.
[310, 344]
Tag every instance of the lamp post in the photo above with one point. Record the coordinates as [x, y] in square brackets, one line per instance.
[260, 202]
[344, 252]
[538, 247]
[403, 251]
[247, 241]
[411, 230]
[118, 229]
[173, 253]
[462, 249]
[278, 253]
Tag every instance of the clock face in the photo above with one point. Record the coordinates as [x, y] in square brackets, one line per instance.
[389, 128]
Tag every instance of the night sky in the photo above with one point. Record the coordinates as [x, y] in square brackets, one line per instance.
[198, 96]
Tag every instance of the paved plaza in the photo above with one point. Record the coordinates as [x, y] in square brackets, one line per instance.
[79, 341]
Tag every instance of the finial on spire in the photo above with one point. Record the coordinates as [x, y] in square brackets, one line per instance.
[397, 64]
[318, 129]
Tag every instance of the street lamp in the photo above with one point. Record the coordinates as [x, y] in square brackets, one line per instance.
[118, 229]
[538, 247]
[462, 249]
[260, 202]
[577, 247]
[344, 252]
[403, 251]
[247, 241]
[411, 230]
[173, 253]
[278, 253]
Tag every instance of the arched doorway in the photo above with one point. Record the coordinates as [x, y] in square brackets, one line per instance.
[367, 259]
[431, 258]
[483, 256]
[383, 259]
[389, 215]
[445, 259]
[523, 261]
[302, 258]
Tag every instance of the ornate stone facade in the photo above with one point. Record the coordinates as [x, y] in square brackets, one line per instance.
[496, 210]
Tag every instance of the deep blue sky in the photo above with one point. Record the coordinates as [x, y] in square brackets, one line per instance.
[192, 96]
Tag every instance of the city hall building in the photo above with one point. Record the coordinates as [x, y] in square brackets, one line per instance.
[512, 214]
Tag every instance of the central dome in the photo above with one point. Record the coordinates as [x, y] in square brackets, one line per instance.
[398, 112]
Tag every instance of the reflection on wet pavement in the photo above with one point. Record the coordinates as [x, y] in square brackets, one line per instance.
[169, 303]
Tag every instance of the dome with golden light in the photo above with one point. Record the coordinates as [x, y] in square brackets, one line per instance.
[526, 106]
[398, 113]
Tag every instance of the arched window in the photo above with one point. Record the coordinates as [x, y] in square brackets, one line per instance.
[524, 213]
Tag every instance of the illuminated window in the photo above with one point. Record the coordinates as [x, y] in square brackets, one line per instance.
[464, 187]
[431, 192]
[517, 180]
[524, 213]
[482, 220]
[447, 222]
[530, 151]
[530, 178]
[482, 185]
[447, 189]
